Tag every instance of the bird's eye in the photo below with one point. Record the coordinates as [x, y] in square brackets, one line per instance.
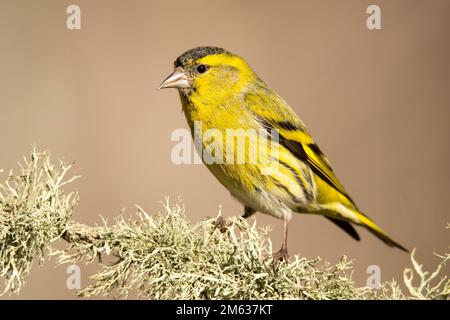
[202, 68]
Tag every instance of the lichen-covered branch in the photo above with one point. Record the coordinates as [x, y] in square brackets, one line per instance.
[34, 212]
[164, 256]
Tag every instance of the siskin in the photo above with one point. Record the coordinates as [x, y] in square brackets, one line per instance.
[219, 90]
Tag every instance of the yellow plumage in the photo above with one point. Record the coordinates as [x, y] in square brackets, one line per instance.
[220, 91]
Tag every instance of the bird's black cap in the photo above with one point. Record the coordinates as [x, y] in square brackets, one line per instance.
[197, 53]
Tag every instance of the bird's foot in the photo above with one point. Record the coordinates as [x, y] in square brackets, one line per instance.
[221, 224]
[281, 255]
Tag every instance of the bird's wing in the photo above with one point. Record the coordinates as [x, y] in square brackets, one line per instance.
[273, 113]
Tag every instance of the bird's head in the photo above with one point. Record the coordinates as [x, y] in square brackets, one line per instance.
[209, 71]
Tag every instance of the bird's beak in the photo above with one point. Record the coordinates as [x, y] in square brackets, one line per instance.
[178, 79]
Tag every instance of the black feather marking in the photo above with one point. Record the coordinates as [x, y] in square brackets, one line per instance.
[286, 189]
[308, 192]
[287, 125]
[198, 53]
[347, 227]
[315, 148]
[296, 148]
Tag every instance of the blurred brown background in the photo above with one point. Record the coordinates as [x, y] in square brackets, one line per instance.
[376, 101]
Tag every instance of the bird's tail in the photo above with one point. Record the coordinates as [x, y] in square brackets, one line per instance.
[377, 231]
[342, 212]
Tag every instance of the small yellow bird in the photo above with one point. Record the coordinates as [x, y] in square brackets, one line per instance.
[219, 91]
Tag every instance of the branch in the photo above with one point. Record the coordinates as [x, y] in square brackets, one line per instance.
[164, 256]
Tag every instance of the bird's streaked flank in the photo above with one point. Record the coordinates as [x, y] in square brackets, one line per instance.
[221, 91]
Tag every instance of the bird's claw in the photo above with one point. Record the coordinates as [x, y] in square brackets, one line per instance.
[280, 256]
[221, 224]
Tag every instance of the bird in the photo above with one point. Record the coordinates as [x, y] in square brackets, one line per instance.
[220, 91]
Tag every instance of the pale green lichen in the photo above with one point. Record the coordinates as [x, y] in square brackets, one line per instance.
[34, 211]
[164, 256]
